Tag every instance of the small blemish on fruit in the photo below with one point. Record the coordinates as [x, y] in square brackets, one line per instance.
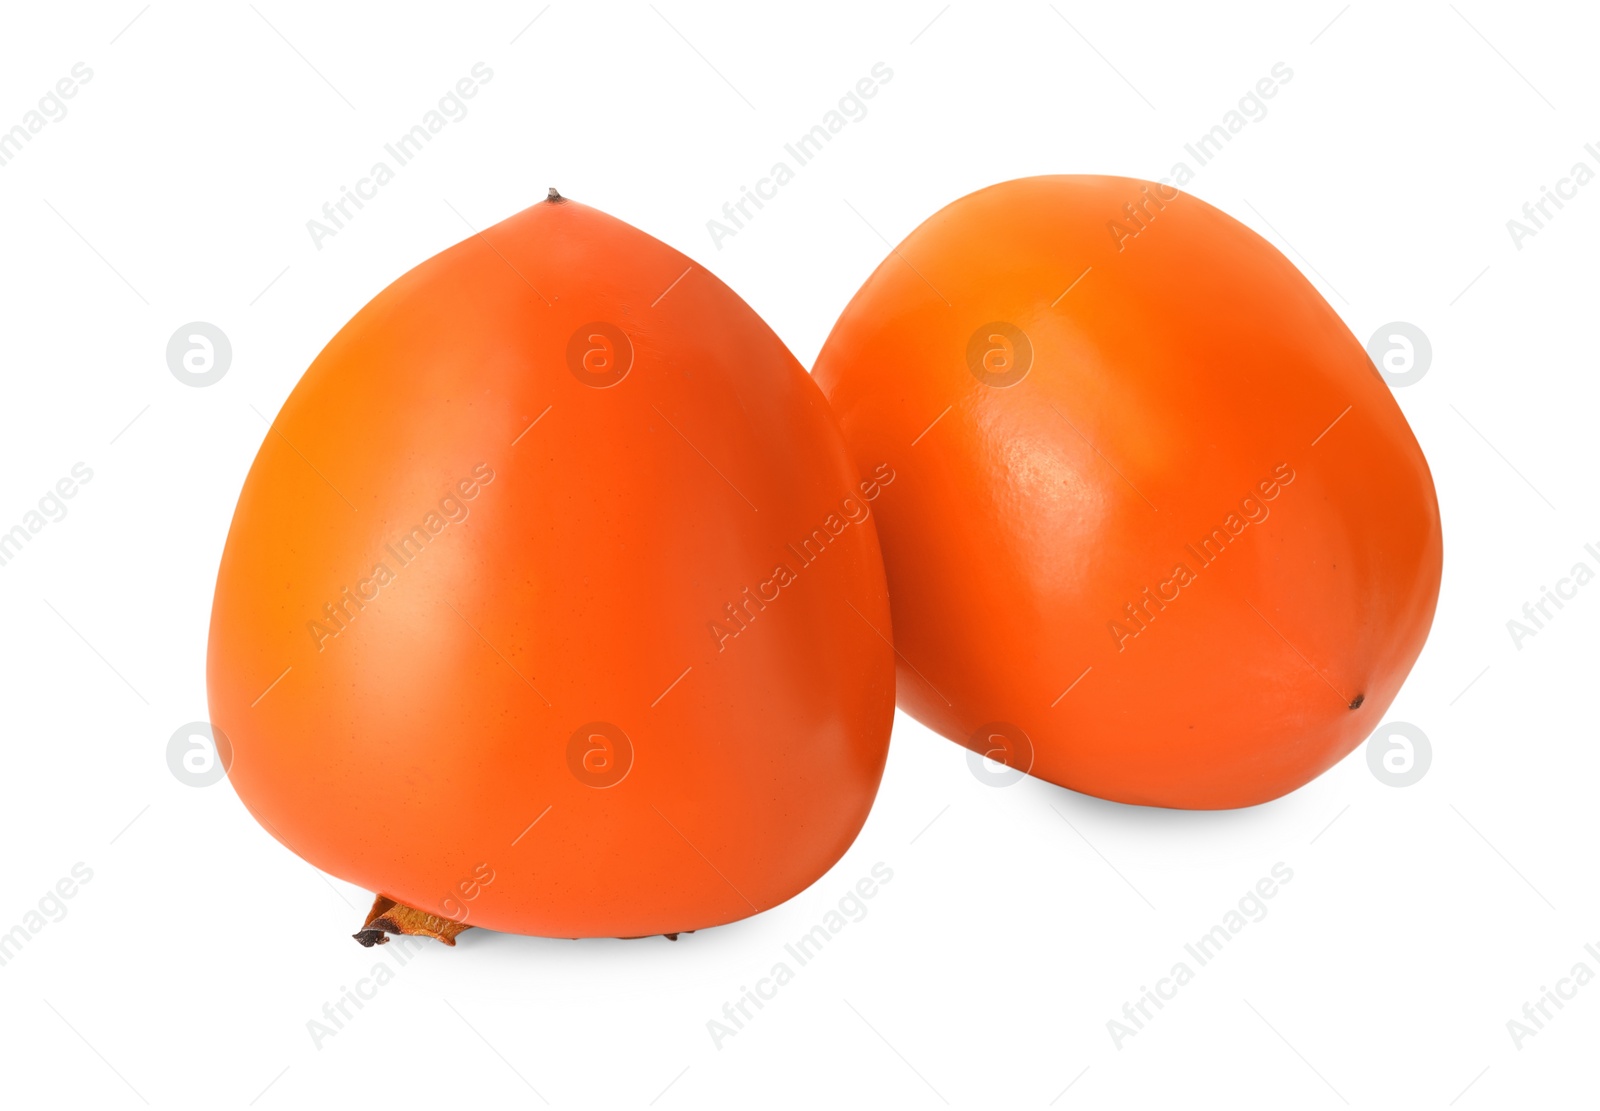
[1356, 703]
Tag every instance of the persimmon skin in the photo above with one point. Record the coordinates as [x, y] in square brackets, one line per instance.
[447, 747]
[1172, 372]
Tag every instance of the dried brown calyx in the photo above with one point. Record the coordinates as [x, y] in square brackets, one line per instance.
[389, 917]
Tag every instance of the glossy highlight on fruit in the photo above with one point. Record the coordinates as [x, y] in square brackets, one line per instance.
[553, 602]
[1160, 533]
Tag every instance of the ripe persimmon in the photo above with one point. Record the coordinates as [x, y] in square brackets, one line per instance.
[1160, 533]
[553, 602]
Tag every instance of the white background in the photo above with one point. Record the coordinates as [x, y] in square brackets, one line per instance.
[1019, 919]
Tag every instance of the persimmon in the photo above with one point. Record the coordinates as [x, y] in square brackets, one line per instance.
[1160, 533]
[553, 601]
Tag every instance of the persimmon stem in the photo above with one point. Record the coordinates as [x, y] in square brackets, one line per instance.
[389, 917]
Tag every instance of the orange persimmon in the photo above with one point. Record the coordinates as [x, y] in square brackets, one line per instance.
[553, 602]
[1160, 532]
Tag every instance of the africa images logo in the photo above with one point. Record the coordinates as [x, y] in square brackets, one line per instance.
[338, 615]
[1138, 615]
[738, 615]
